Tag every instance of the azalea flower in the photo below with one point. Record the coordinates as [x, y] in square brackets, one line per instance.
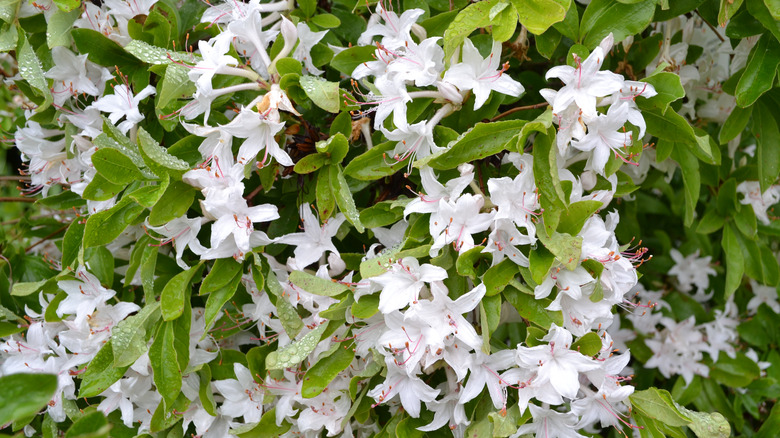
[315, 240]
[403, 282]
[456, 221]
[306, 41]
[124, 104]
[243, 396]
[482, 75]
[395, 31]
[408, 387]
[548, 423]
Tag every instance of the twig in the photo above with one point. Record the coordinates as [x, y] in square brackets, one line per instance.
[713, 28]
[14, 178]
[519, 108]
[46, 238]
[6, 199]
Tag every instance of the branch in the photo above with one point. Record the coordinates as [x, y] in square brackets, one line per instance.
[519, 108]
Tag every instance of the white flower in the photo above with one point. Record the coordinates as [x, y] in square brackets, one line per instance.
[605, 135]
[481, 75]
[84, 295]
[306, 41]
[763, 294]
[124, 104]
[759, 201]
[456, 221]
[74, 74]
[410, 389]
[556, 364]
[395, 31]
[484, 372]
[259, 132]
[549, 424]
[183, 232]
[585, 83]
[692, 270]
[315, 240]
[243, 396]
[402, 283]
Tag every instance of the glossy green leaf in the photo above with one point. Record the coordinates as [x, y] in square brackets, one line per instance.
[316, 285]
[296, 352]
[174, 203]
[165, 365]
[322, 93]
[23, 395]
[658, 404]
[727, 10]
[310, 163]
[375, 163]
[115, 167]
[588, 345]
[30, 70]
[105, 226]
[326, 200]
[734, 124]
[176, 292]
[483, 140]
[576, 215]
[735, 262]
[346, 60]
[157, 157]
[691, 179]
[129, 337]
[326, 369]
[668, 87]
[344, 199]
[765, 128]
[497, 277]
[538, 15]
[604, 16]
[474, 16]
[532, 309]
[760, 71]
[759, 10]
[91, 425]
[738, 372]
[217, 299]
[59, 26]
[101, 372]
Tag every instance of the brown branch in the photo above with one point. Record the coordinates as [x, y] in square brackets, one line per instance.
[713, 28]
[519, 108]
[46, 238]
[6, 199]
[14, 178]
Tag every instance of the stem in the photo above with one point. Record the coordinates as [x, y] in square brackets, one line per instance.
[134, 134]
[15, 178]
[274, 7]
[426, 93]
[46, 238]
[235, 71]
[234, 88]
[441, 113]
[518, 109]
[713, 28]
[9, 199]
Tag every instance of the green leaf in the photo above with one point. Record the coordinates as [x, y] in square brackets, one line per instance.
[324, 94]
[604, 16]
[100, 189]
[296, 352]
[101, 372]
[566, 248]
[103, 51]
[538, 15]
[707, 425]
[175, 292]
[326, 21]
[157, 157]
[658, 404]
[67, 5]
[691, 179]
[366, 306]
[668, 87]
[150, 54]
[288, 316]
[588, 345]
[738, 372]
[532, 309]
[768, 137]
[347, 60]
[472, 17]
[129, 337]
[205, 394]
[267, 427]
[221, 274]
[325, 370]
[483, 140]
[381, 214]
[711, 222]
[175, 84]
[504, 23]
[326, 200]
[165, 365]
[375, 163]
[59, 26]
[174, 203]
[335, 147]
[735, 262]
[30, 70]
[545, 167]
[23, 395]
[310, 163]
[540, 261]
[316, 285]
[759, 10]
[218, 298]
[576, 216]
[727, 10]
[497, 277]
[91, 425]
[27, 288]
[760, 71]
[115, 166]
[346, 203]
[734, 124]
[105, 226]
